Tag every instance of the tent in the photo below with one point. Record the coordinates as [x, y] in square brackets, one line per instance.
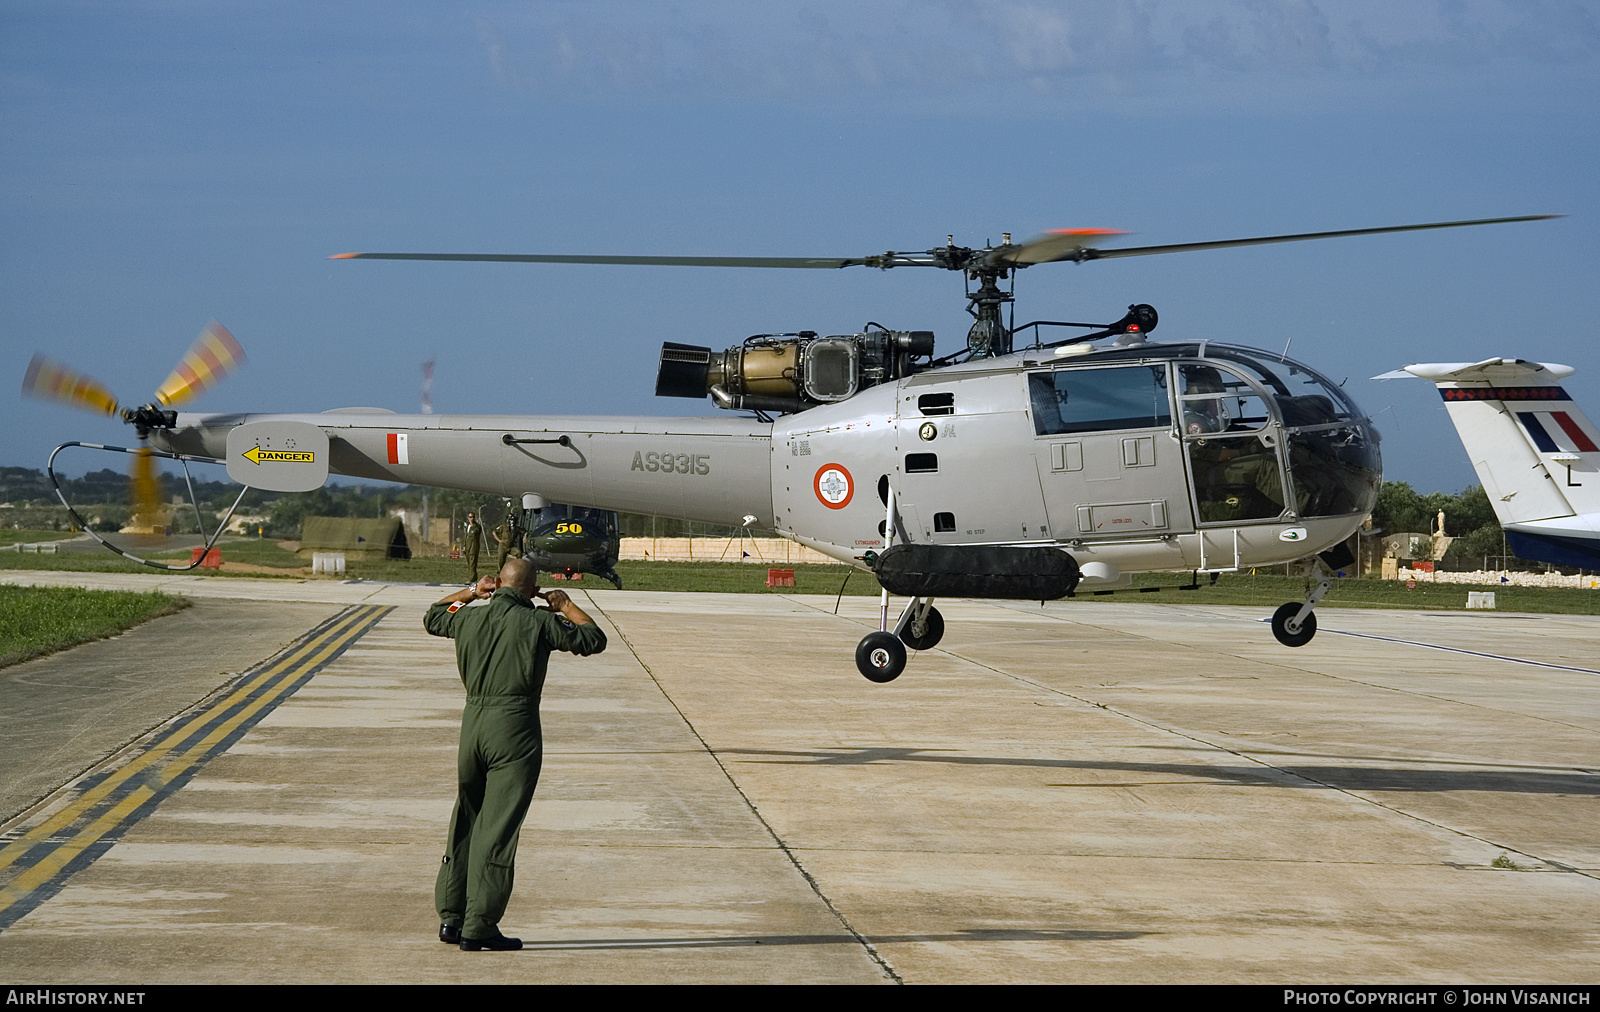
[356, 537]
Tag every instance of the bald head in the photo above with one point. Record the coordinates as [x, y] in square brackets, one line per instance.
[520, 575]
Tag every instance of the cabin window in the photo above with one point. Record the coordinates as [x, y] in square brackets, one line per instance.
[921, 463]
[1094, 400]
[1215, 400]
[937, 404]
[944, 523]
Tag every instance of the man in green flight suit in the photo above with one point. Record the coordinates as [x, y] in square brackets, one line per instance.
[509, 534]
[472, 538]
[503, 651]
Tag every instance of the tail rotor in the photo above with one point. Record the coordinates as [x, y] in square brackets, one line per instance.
[214, 355]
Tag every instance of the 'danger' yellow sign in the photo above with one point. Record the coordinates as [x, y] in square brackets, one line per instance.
[257, 455]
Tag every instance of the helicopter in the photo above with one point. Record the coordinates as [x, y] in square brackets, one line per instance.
[565, 540]
[1024, 466]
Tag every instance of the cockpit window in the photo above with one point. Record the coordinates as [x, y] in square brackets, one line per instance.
[558, 518]
[1336, 471]
[1095, 400]
[1304, 396]
[1312, 400]
[1327, 464]
[1216, 400]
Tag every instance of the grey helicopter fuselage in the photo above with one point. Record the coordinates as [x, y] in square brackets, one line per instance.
[988, 473]
[1150, 457]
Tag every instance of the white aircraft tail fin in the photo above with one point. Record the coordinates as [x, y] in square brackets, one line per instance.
[1536, 452]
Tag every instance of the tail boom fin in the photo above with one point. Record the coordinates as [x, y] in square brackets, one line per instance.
[1536, 452]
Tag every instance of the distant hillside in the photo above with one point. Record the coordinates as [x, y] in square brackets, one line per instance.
[20, 485]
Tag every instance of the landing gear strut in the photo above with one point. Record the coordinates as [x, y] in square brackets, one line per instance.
[921, 627]
[1294, 624]
[881, 655]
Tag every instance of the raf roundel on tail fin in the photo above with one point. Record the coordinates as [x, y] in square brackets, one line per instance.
[1536, 452]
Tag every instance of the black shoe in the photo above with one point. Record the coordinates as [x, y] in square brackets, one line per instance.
[494, 943]
[449, 935]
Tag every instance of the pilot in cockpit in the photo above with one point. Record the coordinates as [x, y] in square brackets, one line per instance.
[1203, 407]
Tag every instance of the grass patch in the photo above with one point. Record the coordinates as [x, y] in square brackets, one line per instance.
[102, 560]
[1269, 591]
[739, 578]
[35, 621]
[1505, 862]
[253, 551]
[25, 536]
[1264, 590]
[72, 562]
[703, 577]
[1256, 591]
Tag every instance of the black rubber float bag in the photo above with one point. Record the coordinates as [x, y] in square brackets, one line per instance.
[1018, 574]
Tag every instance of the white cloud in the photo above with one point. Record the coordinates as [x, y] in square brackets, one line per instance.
[994, 51]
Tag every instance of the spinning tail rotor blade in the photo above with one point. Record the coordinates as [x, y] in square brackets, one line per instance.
[214, 355]
[144, 498]
[49, 380]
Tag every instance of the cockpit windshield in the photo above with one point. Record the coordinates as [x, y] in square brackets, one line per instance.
[558, 518]
[1304, 396]
[1325, 464]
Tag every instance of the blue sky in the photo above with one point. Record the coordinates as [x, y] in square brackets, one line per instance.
[164, 163]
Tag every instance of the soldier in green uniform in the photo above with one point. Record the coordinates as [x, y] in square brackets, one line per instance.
[509, 535]
[503, 651]
[472, 538]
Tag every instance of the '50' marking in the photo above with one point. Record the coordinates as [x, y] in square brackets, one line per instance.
[672, 463]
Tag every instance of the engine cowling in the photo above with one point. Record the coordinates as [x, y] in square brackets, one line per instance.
[791, 372]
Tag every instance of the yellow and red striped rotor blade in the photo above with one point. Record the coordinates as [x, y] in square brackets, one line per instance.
[52, 381]
[145, 493]
[214, 355]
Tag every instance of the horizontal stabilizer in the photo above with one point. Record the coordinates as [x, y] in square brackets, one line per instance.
[1494, 371]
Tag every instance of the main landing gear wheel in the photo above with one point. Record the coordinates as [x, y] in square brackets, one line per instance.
[933, 632]
[1280, 626]
[881, 656]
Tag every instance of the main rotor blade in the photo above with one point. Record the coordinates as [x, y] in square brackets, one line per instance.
[49, 380]
[1051, 247]
[213, 356]
[545, 258]
[1183, 247]
[1056, 244]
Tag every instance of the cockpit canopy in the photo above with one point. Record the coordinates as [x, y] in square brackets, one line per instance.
[1267, 437]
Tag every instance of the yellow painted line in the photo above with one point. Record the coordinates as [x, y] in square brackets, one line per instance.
[162, 749]
[310, 653]
[308, 656]
[63, 855]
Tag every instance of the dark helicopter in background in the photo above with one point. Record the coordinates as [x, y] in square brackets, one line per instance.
[564, 540]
